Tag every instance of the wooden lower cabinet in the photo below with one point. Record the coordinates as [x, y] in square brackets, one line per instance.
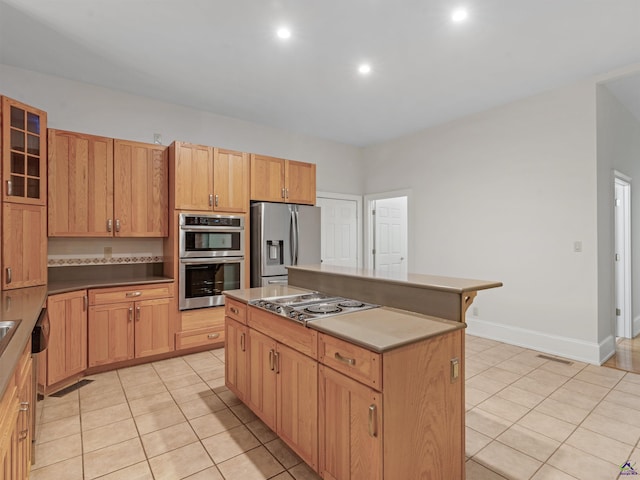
[129, 329]
[235, 354]
[15, 422]
[350, 435]
[202, 326]
[261, 396]
[66, 354]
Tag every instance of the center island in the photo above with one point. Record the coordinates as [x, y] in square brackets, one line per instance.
[373, 394]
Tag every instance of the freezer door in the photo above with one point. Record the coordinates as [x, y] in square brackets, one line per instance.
[271, 233]
[308, 242]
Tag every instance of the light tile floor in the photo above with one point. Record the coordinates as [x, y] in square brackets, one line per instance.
[527, 418]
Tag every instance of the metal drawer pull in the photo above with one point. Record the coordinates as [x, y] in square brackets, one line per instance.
[271, 360]
[8, 274]
[373, 428]
[348, 361]
[133, 294]
[234, 310]
[213, 335]
[242, 346]
[24, 406]
[109, 225]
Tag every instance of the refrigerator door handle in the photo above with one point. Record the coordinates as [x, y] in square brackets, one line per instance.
[297, 250]
[293, 236]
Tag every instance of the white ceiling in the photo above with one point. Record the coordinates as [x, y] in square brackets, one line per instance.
[224, 56]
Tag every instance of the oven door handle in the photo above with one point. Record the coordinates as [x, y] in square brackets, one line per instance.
[211, 261]
[212, 229]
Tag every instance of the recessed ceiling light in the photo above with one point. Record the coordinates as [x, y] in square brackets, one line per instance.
[364, 69]
[284, 33]
[459, 15]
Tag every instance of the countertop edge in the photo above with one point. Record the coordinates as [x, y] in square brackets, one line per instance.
[58, 287]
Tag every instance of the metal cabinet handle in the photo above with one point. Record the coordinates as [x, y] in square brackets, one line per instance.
[211, 200]
[130, 313]
[286, 193]
[242, 340]
[24, 406]
[85, 303]
[373, 428]
[211, 336]
[217, 198]
[133, 294]
[455, 369]
[8, 274]
[23, 434]
[234, 310]
[137, 314]
[347, 360]
[277, 361]
[9, 188]
[282, 193]
[271, 360]
[109, 225]
[117, 225]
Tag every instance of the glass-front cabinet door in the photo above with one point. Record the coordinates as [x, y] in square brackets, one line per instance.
[24, 153]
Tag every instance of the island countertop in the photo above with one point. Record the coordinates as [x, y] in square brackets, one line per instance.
[419, 280]
[377, 329]
[22, 304]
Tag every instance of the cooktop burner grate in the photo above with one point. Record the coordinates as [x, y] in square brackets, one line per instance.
[351, 304]
[323, 308]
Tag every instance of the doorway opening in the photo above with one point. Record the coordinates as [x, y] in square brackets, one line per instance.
[622, 255]
[387, 232]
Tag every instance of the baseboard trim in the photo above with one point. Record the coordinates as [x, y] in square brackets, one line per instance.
[589, 352]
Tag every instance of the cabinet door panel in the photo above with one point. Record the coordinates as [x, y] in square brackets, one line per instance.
[267, 178]
[350, 428]
[236, 357]
[262, 378]
[24, 245]
[300, 182]
[153, 332]
[297, 394]
[141, 189]
[110, 333]
[24, 153]
[193, 176]
[67, 349]
[80, 185]
[230, 181]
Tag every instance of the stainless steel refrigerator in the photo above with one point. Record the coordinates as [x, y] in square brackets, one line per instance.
[282, 234]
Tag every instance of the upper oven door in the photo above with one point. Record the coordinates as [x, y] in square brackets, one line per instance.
[224, 238]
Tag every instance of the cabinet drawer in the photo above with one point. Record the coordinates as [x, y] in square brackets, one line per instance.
[101, 296]
[285, 331]
[236, 310]
[203, 336]
[202, 318]
[354, 361]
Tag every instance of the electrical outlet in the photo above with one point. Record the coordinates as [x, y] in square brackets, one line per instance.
[108, 252]
[157, 138]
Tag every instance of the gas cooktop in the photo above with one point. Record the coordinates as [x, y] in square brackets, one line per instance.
[310, 306]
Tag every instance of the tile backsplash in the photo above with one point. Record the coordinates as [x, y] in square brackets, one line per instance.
[65, 252]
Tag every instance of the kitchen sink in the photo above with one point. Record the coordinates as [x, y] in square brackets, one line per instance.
[7, 329]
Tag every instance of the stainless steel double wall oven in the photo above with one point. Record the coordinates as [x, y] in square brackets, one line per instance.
[211, 258]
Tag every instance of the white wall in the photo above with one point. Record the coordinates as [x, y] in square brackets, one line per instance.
[90, 109]
[619, 149]
[503, 195]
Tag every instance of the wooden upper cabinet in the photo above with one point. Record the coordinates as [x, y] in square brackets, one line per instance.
[191, 169]
[80, 185]
[24, 153]
[230, 181]
[300, 182]
[141, 189]
[267, 178]
[208, 179]
[278, 180]
[24, 245]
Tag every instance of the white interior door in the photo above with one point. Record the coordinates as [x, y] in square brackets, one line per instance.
[339, 231]
[390, 235]
[622, 260]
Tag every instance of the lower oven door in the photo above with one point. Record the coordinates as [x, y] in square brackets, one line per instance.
[202, 280]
